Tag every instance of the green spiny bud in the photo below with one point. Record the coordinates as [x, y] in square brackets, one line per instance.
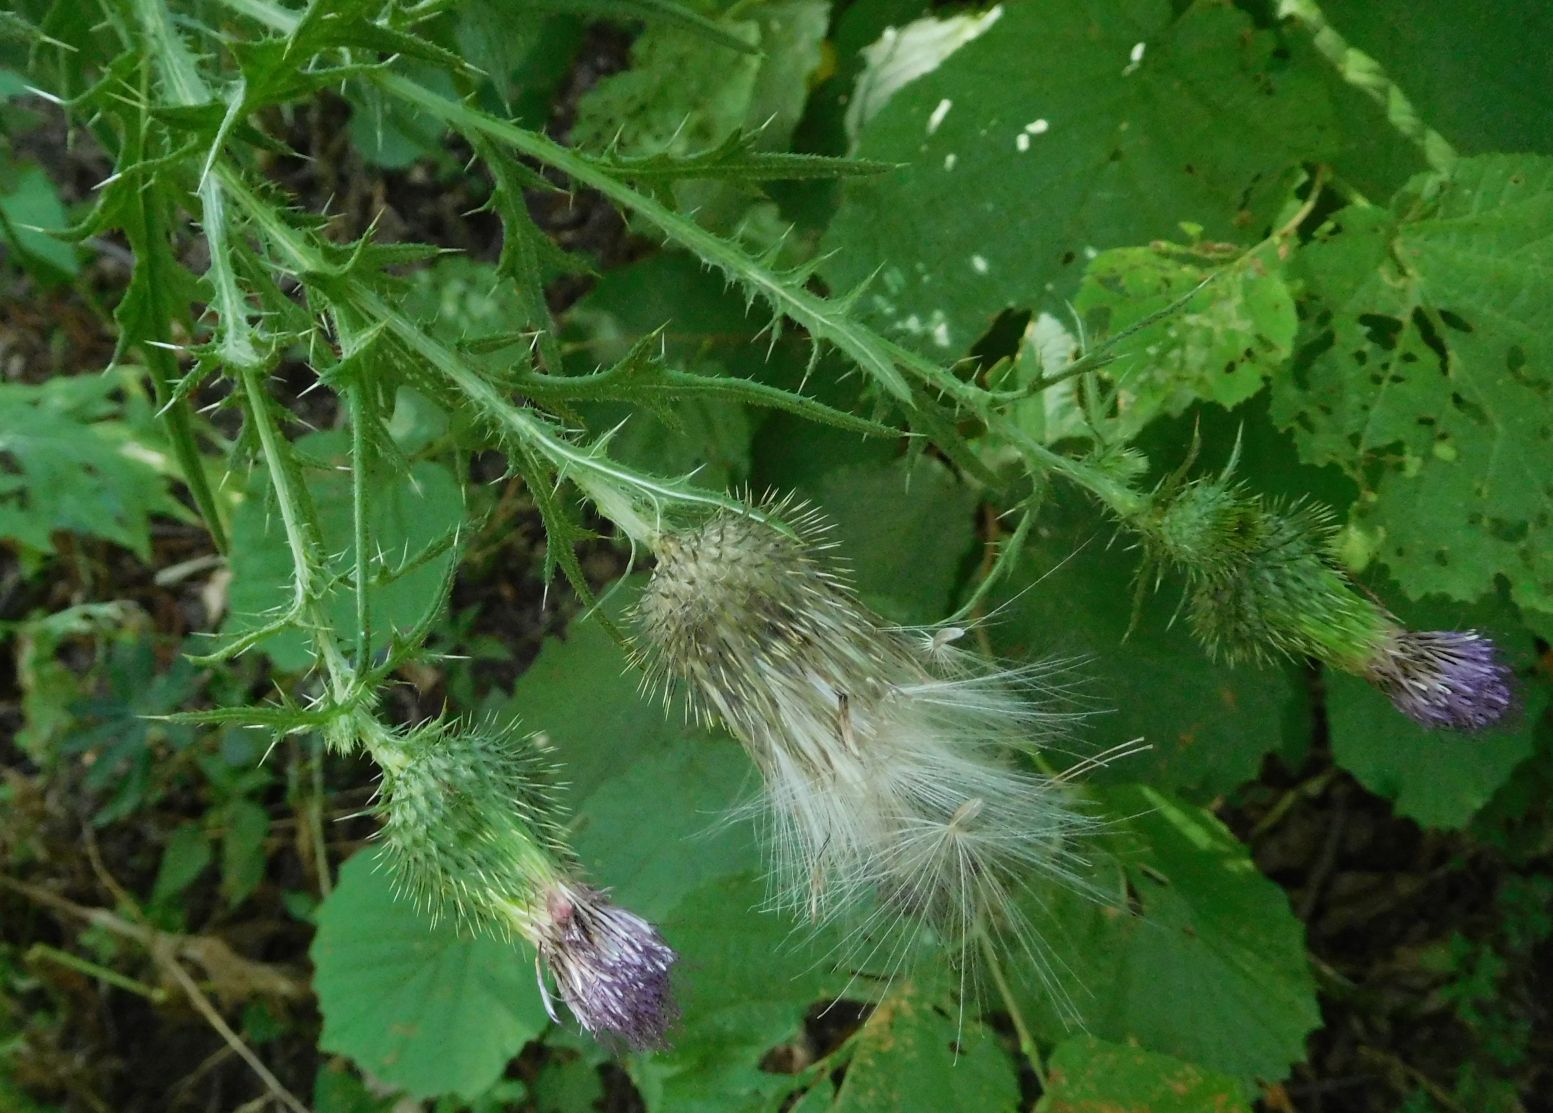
[472, 830]
[1264, 581]
[471, 827]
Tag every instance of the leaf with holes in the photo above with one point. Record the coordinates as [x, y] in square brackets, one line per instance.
[1220, 346]
[1062, 129]
[1429, 376]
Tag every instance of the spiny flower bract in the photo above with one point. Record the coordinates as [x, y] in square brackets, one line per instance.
[883, 749]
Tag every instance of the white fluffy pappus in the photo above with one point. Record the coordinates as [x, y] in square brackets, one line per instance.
[885, 751]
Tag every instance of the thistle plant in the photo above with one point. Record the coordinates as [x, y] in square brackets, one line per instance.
[886, 751]
[471, 831]
[901, 772]
[1264, 582]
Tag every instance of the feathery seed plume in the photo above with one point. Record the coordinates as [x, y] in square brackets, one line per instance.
[883, 749]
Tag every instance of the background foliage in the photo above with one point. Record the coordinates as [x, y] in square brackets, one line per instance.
[1314, 904]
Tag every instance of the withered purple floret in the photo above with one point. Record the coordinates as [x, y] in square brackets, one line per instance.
[610, 966]
[1444, 679]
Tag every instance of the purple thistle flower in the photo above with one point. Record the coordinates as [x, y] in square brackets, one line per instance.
[1443, 678]
[611, 967]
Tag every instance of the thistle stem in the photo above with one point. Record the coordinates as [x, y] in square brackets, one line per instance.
[1027, 1045]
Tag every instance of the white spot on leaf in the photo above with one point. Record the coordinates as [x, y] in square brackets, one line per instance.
[1022, 141]
[938, 115]
[1038, 127]
[978, 264]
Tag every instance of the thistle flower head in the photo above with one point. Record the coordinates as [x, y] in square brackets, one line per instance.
[883, 749]
[611, 967]
[472, 830]
[1265, 583]
[1442, 678]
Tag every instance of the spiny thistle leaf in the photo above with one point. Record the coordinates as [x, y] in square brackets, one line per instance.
[736, 159]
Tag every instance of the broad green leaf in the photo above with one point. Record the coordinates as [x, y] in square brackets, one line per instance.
[1438, 778]
[905, 530]
[1201, 958]
[662, 826]
[1086, 1075]
[918, 1053]
[1466, 77]
[415, 1004]
[746, 980]
[408, 514]
[1426, 376]
[1220, 347]
[581, 693]
[652, 795]
[1062, 130]
[1208, 725]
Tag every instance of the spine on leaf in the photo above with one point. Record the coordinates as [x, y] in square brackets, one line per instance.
[471, 831]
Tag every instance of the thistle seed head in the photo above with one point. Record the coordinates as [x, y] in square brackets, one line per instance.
[610, 966]
[883, 750]
[1444, 679]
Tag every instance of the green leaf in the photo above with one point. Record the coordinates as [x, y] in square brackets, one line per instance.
[710, 102]
[184, 858]
[1208, 964]
[242, 849]
[1438, 778]
[1427, 377]
[906, 530]
[1208, 725]
[1064, 129]
[1464, 76]
[67, 463]
[1220, 347]
[29, 209]
[1086, 1075]
[918, 1053]
[415, 1004]
[619, 749]
[652, 858]
[747, 979]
